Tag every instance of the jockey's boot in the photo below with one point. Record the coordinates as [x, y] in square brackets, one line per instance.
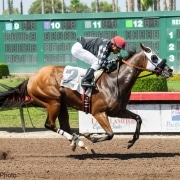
[87, 81]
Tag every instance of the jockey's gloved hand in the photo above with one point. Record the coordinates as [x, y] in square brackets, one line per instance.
[104, 63]
[111, 66]
[118, 58]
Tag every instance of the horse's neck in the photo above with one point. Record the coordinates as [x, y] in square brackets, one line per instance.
[128, 73]
[138, 60]
[134, 65]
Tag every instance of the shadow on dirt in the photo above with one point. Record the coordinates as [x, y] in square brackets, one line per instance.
[122, 156]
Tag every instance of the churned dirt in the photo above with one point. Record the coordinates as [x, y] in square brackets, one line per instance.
[156, 158]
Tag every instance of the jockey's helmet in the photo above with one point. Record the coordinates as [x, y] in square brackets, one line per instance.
[119, 42]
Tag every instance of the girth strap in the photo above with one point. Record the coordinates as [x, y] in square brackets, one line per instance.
[86, 103]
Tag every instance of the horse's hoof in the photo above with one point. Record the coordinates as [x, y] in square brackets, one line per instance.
[93, 139]
[85, 148]
[86, 135]
[92, 151]
[131, 143]
[81, 144]
[129, 146]
[73, 146]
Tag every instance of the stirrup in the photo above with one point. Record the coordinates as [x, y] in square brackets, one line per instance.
[87, 84]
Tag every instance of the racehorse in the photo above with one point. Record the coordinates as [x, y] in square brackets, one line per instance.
[109, 98]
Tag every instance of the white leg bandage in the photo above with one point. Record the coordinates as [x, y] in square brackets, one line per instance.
[65, 134]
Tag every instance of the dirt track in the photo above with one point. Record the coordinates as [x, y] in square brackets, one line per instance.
[51, 158]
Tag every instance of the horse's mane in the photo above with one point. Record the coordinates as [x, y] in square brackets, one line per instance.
[130, 53]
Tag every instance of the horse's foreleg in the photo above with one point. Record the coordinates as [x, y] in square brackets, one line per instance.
[128, 114]
[104, 123]
[137, 131]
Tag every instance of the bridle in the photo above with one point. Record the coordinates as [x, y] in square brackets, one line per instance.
[141, 68]
[156, 70]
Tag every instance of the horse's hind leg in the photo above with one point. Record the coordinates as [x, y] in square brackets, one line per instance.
[52, 110]
[63, 118]
[102, 119]
[65, 129]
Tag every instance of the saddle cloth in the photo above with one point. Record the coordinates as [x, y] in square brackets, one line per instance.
[72, 77]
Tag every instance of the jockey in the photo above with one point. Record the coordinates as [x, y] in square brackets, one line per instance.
[95, 51]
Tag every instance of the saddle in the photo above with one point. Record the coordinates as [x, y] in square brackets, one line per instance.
[72, 77]
[86, 105]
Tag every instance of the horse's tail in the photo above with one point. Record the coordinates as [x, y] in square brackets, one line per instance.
[11, 97]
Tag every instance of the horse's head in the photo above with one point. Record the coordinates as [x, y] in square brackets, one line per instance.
[156, 63]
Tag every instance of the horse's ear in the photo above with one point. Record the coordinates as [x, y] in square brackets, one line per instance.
[144, 48]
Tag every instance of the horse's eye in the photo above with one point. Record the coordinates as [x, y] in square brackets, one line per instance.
[154, 58]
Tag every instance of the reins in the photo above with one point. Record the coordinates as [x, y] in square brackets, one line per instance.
[140, 68]
[146, 75]
[137, 67]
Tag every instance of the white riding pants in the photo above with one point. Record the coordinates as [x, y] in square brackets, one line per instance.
[84, 55]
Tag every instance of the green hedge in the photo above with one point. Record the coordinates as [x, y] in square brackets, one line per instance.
[4, 70]
[150, 84]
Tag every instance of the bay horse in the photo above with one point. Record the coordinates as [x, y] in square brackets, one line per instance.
[109, 98]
